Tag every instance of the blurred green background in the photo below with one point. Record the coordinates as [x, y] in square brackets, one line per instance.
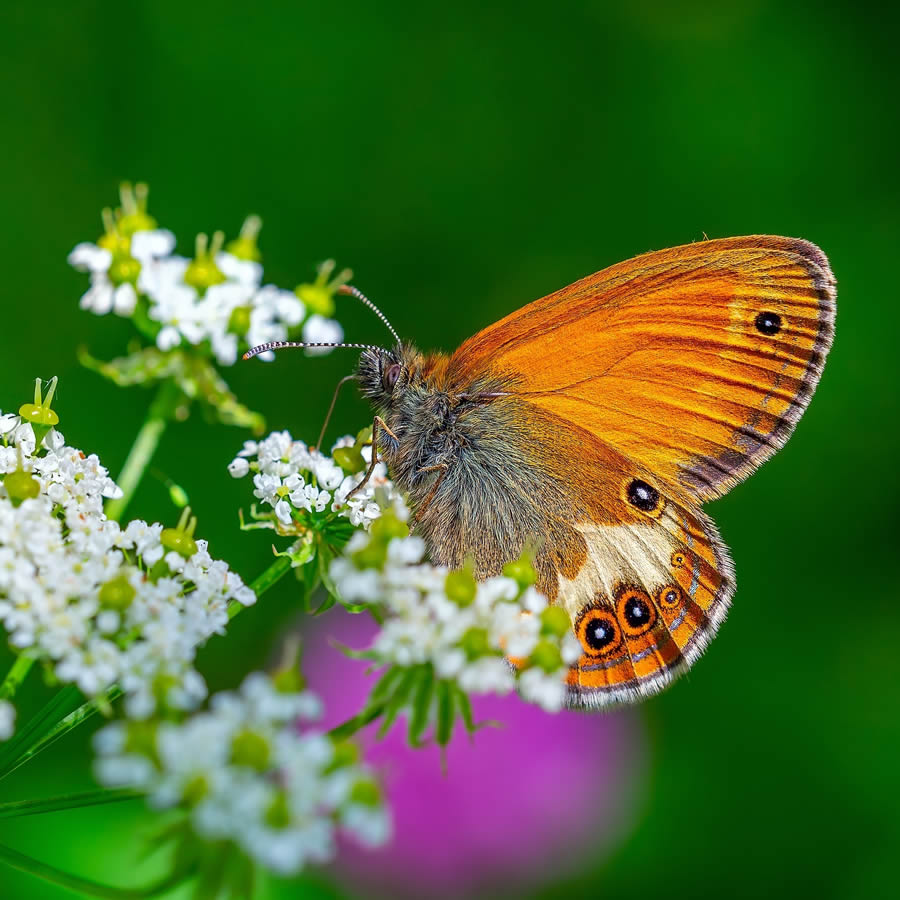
[464, 160]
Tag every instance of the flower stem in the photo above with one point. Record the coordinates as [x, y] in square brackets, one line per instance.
[14, 808]
[85, 886]
[160, 413]
[15, 676]
[266, 579]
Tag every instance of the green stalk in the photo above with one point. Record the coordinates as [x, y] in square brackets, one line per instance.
[15, 676]
[268, 578]
[159, 415]
[85, 886]
[15, 808]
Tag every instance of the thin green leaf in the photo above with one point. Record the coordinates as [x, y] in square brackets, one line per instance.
[399, 698]
[421, 705]
[465, 708]
[446, 714]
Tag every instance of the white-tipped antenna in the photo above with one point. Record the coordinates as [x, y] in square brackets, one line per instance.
[302, 345]
[356, 292]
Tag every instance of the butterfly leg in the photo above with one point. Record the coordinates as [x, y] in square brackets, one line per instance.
[340, 384]
[377, 424]
[443, 468]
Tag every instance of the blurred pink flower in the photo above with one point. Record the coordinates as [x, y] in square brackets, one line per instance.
[520, 805]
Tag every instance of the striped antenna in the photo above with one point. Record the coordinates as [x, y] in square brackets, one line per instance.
[351, 291]
[302, 345]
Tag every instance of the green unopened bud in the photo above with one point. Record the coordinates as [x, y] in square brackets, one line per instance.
[251, 750]
[460, 586]
[346, 753]
[117, 593]
[181, 538]
[112, 239]
[21, 486]
[365, 793]
[278, 815]
[364, 437]
[349, 459]
[124, 270]
[288, 678]
[372, 556]
[318, 296]
[195, 791]
[521, 570]
[39, 413]
[244, 246]
[475, 643]
[387, 526]
[555, 621]
[134, 216]
[239, 320]
[202, 271]
[141, 738]
[546, 655]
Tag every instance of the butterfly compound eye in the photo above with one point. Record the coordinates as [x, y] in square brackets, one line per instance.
[391, 375]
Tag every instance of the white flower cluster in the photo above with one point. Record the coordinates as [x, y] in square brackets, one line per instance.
[98, 602]
[249, 772]
[7, 720]
[468, 631]
[217, 298]
[295, 479]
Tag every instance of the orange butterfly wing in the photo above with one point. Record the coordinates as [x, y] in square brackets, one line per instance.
[695, 362]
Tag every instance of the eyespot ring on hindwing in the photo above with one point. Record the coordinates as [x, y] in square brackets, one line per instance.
[598, 631]
[636, 611]
[670, 597]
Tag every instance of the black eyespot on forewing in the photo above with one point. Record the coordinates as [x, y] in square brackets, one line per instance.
[643, 496]
[768, 323]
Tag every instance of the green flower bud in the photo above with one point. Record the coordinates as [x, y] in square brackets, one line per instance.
[112, 239]
[475, 643]
[21, 486]
[318, 296]
[251, 750]
[245, 246]
[239, 320]
[546, 655]
[287, 678]
[555, 621]
[349, 459]
[133, 216]
[39, 413]
[141, 738]
[124, 269]
[181, 538]
[194, 791]
[278, 815]
[202, 271]
[346, 753]
[460, 586]
[117, 593]
[387, 526]
[521, 570]
[372, 556]
[365, 793]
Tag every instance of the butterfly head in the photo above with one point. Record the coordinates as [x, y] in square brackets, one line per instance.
[384, 374]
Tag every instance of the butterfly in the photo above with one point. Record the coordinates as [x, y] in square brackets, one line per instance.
[594, 423]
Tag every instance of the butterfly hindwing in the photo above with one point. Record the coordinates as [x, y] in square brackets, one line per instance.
[645, 605]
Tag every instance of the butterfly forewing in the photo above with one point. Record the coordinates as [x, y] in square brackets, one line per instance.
[695, 362]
